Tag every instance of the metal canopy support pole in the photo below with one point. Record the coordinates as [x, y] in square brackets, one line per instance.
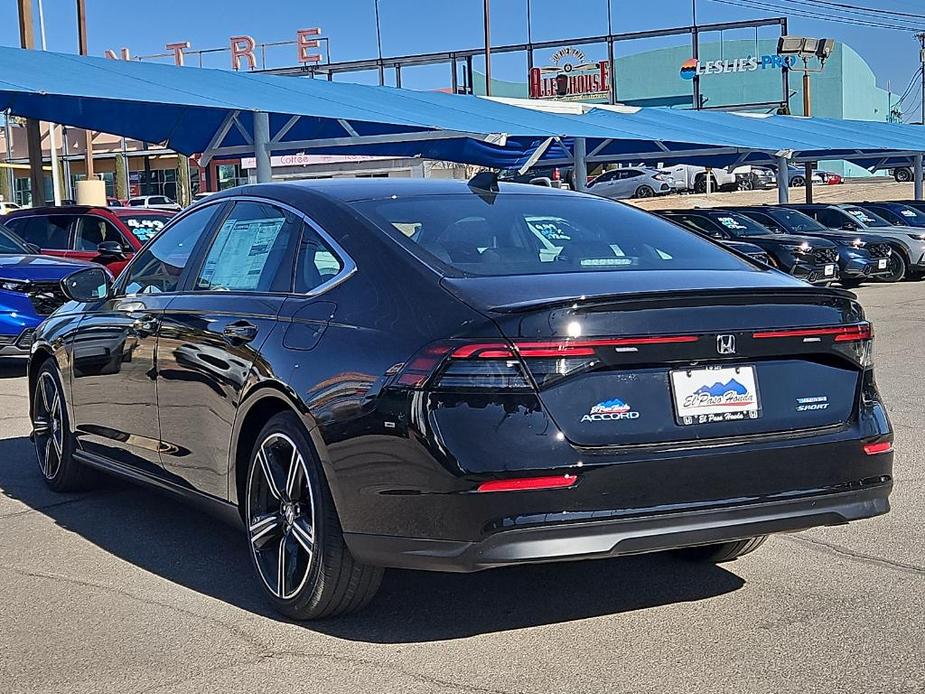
[262, 146]
[917, 177]
[783, 180]
[580, 156]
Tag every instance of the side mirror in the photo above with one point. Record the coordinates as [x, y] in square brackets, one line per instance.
[34, 249]
[111, 249]
[89, 284]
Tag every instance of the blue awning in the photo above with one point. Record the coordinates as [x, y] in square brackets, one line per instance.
[207, 111]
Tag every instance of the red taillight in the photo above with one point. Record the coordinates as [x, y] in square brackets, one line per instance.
[876, 448]
[842, 333]
[525, 483]
[497, 364]
[556, 175]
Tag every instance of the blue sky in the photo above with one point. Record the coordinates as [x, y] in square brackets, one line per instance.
[410, 26]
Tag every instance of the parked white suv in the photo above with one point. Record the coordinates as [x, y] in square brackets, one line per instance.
[154, 202]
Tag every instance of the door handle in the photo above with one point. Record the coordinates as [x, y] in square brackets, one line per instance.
[145, 325]
[240, 331]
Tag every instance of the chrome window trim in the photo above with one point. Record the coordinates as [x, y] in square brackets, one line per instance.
[348, 265]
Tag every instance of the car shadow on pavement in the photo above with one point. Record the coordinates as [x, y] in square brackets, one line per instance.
[12, 368]
[167, 538]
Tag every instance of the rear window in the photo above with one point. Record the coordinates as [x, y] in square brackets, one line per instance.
[144, 227]
[518, 234]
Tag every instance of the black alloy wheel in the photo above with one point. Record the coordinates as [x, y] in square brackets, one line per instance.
[296, 542]
[896, 266]
[700, 184]
[644, 192]
[745, 183]
[54, 446]
[902, 175]
[797, 181]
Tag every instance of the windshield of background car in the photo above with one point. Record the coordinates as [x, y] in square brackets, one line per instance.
[9, 244]
[867, 218]
[739, 224]
[520, 234]
[907, 215]
[794, 220]
[143, 227]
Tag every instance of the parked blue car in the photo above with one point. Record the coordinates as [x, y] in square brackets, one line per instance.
[29, 291]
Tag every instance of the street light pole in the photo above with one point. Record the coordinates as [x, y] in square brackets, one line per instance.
[487, 14]
[82, 45]
[807, 112]
[52, 135]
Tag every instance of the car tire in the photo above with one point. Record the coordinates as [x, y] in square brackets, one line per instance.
[700, 184]
[745, 183]
[797, 182]
[902, 175]
[294, 534]
[897, 267]
[51, 434]
[723, 551]
[644, 192]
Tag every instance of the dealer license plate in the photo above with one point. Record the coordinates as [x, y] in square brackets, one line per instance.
[718, 394]
[881, 264]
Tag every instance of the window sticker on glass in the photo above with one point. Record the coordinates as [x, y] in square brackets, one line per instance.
[730, 223]
[143, 228]
[859, 214]
[907, 213]
[239, 253]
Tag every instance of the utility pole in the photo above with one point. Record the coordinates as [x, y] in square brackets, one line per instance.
[487, 13]
[921, 38]
[52, 135]
[379, 46]
[33, 134]
[82, 45]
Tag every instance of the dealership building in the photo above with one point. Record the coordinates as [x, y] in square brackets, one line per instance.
[731, 75]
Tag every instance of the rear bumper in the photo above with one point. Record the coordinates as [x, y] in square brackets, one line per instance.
[612, 538]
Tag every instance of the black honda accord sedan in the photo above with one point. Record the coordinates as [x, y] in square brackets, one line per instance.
[410, 374]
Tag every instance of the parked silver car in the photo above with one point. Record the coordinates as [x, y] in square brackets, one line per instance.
[631, 182]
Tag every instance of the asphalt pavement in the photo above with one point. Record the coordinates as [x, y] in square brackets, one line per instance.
[124, 590]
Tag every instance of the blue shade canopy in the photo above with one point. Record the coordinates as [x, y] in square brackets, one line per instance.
[195, 110]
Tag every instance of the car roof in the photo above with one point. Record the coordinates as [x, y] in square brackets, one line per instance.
[84, 209]
[353, 190]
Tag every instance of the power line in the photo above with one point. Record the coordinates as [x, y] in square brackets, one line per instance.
[862, 8]
[808, 14]
[852, 11]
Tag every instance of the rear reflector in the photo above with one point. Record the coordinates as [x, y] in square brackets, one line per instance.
[875, 448]
[525, 483]
[842, 333]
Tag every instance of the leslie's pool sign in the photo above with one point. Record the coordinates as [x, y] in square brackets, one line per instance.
[570, 76]
[751, 63]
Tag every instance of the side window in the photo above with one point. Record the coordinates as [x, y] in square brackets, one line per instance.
[159, 267]
[765, 220]
[317, 263]
[633, 173]
[252, 251]
[51, 232]
[92, 231]
[830, 218]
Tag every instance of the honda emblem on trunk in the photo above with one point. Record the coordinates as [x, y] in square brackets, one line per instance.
[726, 344]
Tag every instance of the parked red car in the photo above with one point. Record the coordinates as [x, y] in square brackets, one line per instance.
[106, 236]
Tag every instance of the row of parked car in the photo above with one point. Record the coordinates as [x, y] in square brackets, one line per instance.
[644, 182]
[822, 243]
[40, 246]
